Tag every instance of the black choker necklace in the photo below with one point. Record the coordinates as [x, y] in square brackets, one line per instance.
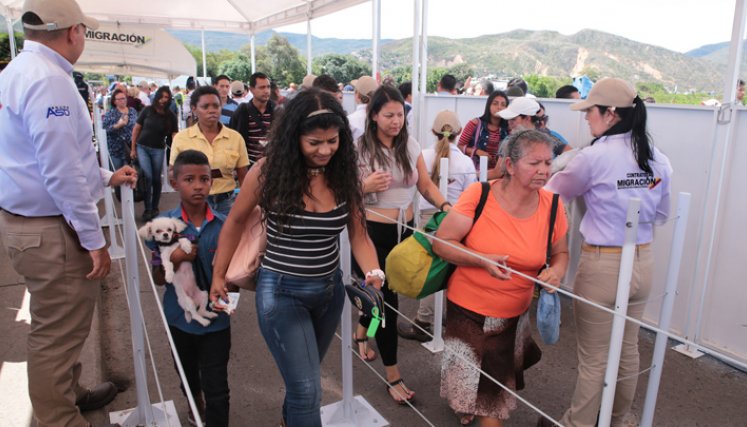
[315, 171]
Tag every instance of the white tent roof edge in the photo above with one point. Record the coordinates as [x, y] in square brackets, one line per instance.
[109, 11]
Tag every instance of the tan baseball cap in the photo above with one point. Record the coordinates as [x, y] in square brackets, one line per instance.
[308, 81]
[366, 85]
[609, 92]
[237, 88]
[447, 117]
[58, 15]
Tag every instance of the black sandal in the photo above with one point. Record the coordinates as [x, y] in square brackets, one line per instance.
[363, 343]
[401, 384]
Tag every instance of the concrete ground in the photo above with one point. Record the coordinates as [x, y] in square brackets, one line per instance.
[702, 392]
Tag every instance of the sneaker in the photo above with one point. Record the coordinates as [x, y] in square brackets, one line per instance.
[408, 331]
[147, 215]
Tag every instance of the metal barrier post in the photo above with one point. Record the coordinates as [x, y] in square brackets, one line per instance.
[621, 308]
[116, 251]
[144, 414]
[436, 345]
[667, 305]
[350, 411]
[483, 168]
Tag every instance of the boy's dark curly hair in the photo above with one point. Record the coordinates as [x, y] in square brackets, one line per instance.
[284, 175]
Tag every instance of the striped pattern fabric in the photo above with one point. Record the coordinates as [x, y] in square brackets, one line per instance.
[308, 245]
[256, 135]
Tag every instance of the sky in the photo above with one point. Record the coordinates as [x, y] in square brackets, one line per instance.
[679, 25]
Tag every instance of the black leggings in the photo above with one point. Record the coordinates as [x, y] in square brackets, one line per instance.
[384, 237]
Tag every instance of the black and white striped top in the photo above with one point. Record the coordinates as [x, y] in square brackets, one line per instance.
[309, 244]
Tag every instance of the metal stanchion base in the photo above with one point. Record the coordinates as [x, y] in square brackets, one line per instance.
[163, 415]
[435, 345]
[363, 415]
[688, 351]
[116, 252]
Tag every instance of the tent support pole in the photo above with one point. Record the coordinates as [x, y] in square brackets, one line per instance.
[308, 44]
[204, 55]
[11, 37]
[252, 44]
[376, 16]
[416, 96]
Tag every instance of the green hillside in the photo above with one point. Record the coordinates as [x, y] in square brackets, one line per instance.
[549, 53]
[521, 52]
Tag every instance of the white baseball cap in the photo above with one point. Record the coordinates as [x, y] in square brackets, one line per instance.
[57, 15]
[520, 106]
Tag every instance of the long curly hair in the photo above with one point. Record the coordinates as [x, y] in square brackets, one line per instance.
[371, 148]
[284, 175]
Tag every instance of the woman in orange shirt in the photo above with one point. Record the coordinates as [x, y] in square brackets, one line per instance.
[487, 305]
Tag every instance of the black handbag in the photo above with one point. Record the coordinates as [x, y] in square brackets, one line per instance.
[370, 302]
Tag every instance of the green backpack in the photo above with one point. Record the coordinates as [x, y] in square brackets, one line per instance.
[412, 269]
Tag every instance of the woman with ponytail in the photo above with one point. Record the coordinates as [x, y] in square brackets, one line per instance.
[620, 164]
[446, 127]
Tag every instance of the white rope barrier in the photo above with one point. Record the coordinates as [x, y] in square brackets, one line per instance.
[172, 345]
[562, 291]
[385, 382]
[116, 225]
[147, 338]
[667, 296]
[144, 413]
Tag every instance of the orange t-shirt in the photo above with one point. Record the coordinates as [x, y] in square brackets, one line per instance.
[524, 240]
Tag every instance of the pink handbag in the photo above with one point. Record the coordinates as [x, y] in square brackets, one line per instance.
[245, 262]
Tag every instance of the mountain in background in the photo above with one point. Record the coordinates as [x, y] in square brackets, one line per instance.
[718, 55]
[523, 52]
[216, 40]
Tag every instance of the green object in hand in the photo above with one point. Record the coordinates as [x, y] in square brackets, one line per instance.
[374, 325]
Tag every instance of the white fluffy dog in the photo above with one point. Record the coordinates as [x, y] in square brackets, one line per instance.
[164, 231]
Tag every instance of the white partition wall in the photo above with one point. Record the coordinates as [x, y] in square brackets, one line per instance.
[723, 317]
[694, 143]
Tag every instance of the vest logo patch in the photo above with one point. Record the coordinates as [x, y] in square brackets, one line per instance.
[58, 111]
[638, 180]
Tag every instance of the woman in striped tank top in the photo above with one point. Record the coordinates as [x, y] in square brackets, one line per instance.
[308, 189]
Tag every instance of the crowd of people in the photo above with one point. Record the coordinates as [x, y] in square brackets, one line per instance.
[314, 170]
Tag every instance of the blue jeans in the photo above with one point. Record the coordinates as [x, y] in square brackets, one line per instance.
[298, 317]
[222, 202]
[151, 161]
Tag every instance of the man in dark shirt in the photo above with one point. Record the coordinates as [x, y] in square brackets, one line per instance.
[253, 119]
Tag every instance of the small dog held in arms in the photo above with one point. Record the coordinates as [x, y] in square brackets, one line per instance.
[165, 233]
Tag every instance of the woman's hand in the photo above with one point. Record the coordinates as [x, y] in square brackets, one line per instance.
[374, 281]
[377, 182]
[125, 118]
[218, 292]
[549, 275]
[133, 153]
[493, 269]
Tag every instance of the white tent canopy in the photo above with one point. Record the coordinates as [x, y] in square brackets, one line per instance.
[135, 50]
[247, 16]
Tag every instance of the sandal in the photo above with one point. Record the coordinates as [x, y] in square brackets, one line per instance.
[365, 353]
[465, 419]
[398, 396]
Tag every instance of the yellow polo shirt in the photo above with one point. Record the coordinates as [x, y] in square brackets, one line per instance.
[227, 153]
